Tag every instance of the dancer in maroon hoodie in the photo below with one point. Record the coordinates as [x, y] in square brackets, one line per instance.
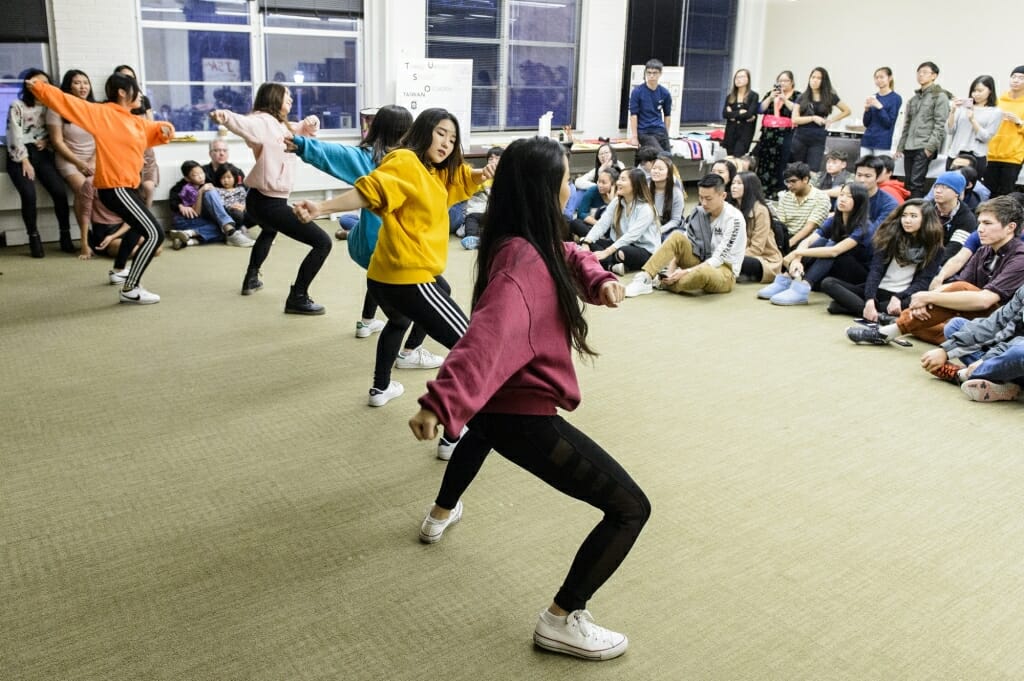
[526, 301]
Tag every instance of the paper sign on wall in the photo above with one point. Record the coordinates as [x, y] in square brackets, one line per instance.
[446, 83]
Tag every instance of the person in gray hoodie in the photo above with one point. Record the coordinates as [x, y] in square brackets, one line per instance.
[924, 128]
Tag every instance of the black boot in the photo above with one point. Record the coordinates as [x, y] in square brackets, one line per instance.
[301, 303]
[66, 244]
[35, 246]
[251, 283]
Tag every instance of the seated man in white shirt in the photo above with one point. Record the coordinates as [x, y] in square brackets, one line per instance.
[707, 256]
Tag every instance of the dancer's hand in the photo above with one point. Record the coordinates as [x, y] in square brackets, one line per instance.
[424, 424]
[219, 116]
[306, 210]
[612, 293]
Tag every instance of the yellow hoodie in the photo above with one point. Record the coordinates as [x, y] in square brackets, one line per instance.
[412, 201]
[1007, 146]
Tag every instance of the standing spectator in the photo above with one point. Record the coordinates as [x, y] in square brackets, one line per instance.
[973, 121]
[924, 128]
[740, 114]
[813, 116]
[30, 157]
[880, 112]
[772, 151]
[650, 109]
[1006, 149]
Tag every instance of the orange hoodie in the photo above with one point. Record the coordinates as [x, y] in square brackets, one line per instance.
[121, 136]
[895, 189]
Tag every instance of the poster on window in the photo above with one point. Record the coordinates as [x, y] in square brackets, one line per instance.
[446, 83]
[671, 79]
[222, 70]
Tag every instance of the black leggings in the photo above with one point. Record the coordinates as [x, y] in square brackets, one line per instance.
[752, 268]
[430, 305]
[274, 215]
[1001, 177]
[568, 460]
[849, 298]
[416, 336]
[47, 175]
[126, 203]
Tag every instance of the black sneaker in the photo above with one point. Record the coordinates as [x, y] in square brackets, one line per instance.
[301, 303]
[866, 334]
[251, 283]
[886, 319]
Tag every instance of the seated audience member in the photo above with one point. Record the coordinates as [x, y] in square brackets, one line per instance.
[219, 159]
[801, 207]
[907, 254]
[633, 223]
[835, 175]
[889, 184]
[645, 158]
[198, 213]
[975, 192]
[951, 267]
[726, 170]
[958, 221]
[476, 206]
[707, 256]
[594, 202]
[868, 171]
[605, 158]
[967, 160]
[762, 260]
[667, 193]
[232, 194]
[989, 279]
[840, 247]
[992, 348]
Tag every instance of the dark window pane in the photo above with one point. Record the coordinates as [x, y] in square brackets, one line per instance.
[338, 63]
[188, 106]
[201, 11]
[463, 18]
[541, 80]
[540, 21]
[485, 76]
[176, 55]
[315, 23]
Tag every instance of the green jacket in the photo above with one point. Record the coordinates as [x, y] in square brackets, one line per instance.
[924, 122]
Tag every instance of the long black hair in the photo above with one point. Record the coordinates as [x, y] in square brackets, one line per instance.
[919, 248]
[25, 94]
[860, 214]
[753, 193]
[119, 81]
[525, 203]
[421, 136]
[69, 76]
[597, 159]
[825, 93]
[389, 125]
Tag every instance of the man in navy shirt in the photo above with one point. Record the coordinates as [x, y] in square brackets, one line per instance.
[867, 171]
[650, 109]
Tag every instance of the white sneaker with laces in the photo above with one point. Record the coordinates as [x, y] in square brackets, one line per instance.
[420, 358]
[236, 238]
[138, 296]
[378, 398]
[578, 635]
[446, 447]
[640, 286]
[367, 329]
[431, 529]
[117, 277]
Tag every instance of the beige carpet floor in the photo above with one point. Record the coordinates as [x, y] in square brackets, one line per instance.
[197, 490]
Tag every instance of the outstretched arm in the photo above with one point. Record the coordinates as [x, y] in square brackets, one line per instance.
[307, 210]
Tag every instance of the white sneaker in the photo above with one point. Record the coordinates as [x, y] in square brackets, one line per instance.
[578, 636]
[178, 238]
[619, 269]
[431, 529]
[116, 277]
[236, 238]
[378, 398]
[365, 330]
[446, 447]
[138, 296]
[640, 286]
[420, 358]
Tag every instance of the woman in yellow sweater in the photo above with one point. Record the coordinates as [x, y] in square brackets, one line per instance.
[411, 191]
[1006, 149]
[121, 139]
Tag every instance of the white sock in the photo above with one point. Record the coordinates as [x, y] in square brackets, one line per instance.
[553, 619]
[890, 331]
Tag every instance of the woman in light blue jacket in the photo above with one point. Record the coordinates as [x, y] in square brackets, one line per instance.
[624, 238]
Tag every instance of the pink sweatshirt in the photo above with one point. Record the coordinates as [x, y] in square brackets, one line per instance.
[516, 357]
[273, 174]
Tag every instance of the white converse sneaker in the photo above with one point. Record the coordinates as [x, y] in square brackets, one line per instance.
[367, 329]
[138, 296]
[446, 447]
[236, 238]
[578, 635]
[640, 286]
[420, 358]
[431, 529]
[117, 276]
[378, 398]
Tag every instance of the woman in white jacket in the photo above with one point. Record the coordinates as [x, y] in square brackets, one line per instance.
[624, 238]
